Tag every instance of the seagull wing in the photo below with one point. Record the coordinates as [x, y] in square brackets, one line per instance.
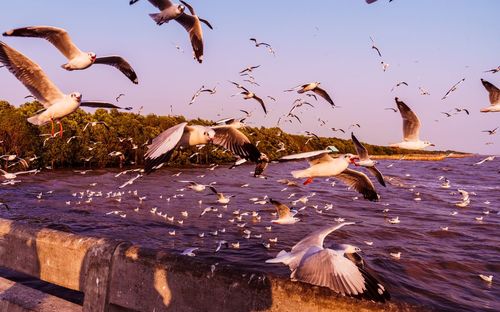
[328, 268]
[258, 99]
[57, 36]
[189, 22]
[161, 4]
[30, 75]
[96, 104]
[493, 91]
[282, 209]
[323, 94]
[119, 63]
[411, 123]
[313, 157]
[380, 178]
[316, 238]
[360, 149]
[360, 182]
[160, 150]
[234, 140]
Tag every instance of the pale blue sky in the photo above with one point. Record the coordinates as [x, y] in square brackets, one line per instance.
[427, 43]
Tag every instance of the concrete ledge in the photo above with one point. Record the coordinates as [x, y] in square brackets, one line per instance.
[15, 297]
[117, 276]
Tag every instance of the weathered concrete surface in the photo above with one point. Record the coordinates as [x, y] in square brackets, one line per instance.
[147, 280]
[15, 297]
[116, 276]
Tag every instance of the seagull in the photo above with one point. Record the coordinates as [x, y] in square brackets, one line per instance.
[183, 136]
[341, 269]
[411, 129]
[491, 132]
[423, 91]
[493, 70]
[189, 252]
[374, 47]
[489, 158]
[323, 165]
[77, 59]
[385, 66]
[258, 44]
[486, 278]
[221, 199]
[95, 123]
[453, 88]
[285, 215]
[338, 129]
[130, 182]
[56, 104]
[364, 160]
[117, 99]
[10, 176]
[494, 93]
[197, 94]
[249, 69]
[399, 84]
[250, 95]
[313, 87]
[168, 11]
[193, 26]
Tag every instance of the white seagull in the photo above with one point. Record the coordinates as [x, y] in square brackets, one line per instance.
[285, 215]
[183, 136]
[411, 129]
[56, 104]
[321, 164]
[364, 160]
[193, 26]
[168, 10]
[494, 93]
[341, 269]
[77, 59]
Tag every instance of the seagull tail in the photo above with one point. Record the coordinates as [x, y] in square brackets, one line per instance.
[36, 120]
[157, 17]
[300, 174]
[281, 257]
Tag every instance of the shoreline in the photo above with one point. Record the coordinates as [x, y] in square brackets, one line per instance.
[423, 157]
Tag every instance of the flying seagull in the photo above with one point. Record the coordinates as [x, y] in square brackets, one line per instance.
[258, 44]
[249, 69]
[491, 132]
[313, 87]
[285, 215]
[250, 95]
[374, 47]
[168, 10]
[453, 88]
[77, 59]
[321, 164]
[193, 26]
[183, 136]
[411, 129]
[364, 160]
[56, 104]
[494, 93]
[341, 269]
[493, 70]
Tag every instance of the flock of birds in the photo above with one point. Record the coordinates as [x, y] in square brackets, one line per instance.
[341, 269]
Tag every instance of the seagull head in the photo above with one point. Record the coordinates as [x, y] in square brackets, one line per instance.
[92, 56]
[350, 248]
[427, 143]
[350, 158]
[77, 96]
[181, 8]
[209, 133]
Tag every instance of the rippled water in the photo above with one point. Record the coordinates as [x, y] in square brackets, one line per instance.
[438, 269]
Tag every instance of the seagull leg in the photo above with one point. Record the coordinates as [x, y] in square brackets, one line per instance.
[308, 181]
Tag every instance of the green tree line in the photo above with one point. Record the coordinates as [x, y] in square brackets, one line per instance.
[129, 133]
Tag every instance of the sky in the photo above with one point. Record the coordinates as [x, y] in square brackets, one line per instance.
[427, 43]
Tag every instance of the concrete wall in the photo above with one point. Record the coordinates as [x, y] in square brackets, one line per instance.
[117, 276]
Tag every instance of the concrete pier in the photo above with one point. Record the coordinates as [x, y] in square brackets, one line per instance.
[118, 276]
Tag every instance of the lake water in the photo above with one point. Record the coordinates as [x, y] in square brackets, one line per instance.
[438, 269]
